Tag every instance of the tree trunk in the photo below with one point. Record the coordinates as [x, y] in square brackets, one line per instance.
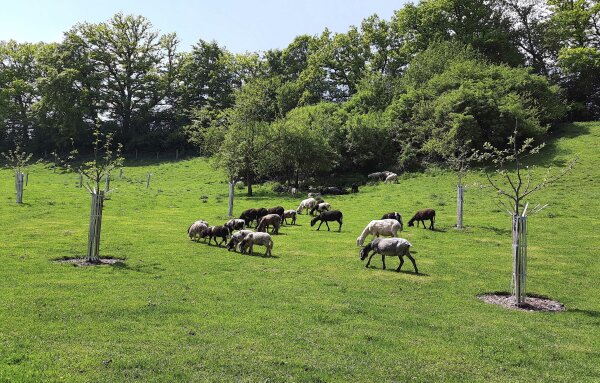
[249, 181]
[93, 251]
[231, 194]
[19, 185]
[519, 253]
[460, 190]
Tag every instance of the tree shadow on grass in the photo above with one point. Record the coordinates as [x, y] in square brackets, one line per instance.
[497, 231]
[592, 313]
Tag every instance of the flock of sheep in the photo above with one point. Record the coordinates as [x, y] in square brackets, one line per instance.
[236, 235]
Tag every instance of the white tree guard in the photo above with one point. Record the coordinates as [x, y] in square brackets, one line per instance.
[93, 251]
[519, 252]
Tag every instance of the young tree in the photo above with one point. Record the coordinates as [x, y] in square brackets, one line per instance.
[459, 161]
[17, 160]
[105, 160]
[515, 182]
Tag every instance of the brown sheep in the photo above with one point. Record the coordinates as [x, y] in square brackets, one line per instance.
[422, 216]
[269, 220]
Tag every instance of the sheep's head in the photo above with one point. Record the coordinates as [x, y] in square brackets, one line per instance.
[314, 220]
[244, 245]
[231, 243]
[411, 223]
[364, 252]
[205, 233]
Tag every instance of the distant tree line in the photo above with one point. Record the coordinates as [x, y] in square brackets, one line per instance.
[396, 93]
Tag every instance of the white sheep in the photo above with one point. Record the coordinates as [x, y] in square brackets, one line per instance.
[377, 227]
[236, 238]
[392, 177]
[289, 214]
[262, 239]
[307, 204]
[196, 228]
[319, 208]
[235, 224]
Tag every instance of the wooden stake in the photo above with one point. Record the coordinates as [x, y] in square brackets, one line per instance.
[148, 181]
[19, 186]
[459, 206]
[121, 173]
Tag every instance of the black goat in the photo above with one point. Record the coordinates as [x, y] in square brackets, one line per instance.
[422, 216]
[328, 216]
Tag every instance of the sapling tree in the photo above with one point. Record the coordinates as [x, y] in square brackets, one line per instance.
[17, 160]
[514, 183]
[459, 161]
[105, 160]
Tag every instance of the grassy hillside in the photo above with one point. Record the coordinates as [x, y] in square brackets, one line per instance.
[185, 311]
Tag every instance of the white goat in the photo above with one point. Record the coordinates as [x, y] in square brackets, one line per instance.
[263, 239]
[392, 177]
[307, 204]
[196, 228]
[377, 227]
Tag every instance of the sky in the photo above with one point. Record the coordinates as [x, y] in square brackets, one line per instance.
[240, 26]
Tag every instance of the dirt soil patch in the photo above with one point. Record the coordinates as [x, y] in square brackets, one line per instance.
[82, 262]
[532, 302]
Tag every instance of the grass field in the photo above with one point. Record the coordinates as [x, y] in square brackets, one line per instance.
[183, 311]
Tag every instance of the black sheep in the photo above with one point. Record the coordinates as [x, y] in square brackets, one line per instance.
[248, 216]
[260, 212]
[395, 215]
[214, 232]
[422, 216]
[276, 210]
[328, 216]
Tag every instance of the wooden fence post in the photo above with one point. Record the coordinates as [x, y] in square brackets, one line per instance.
[148, 180]
[231, 193]
[121, 173]
[519, 252]
[93, 251]
[107, 188]
[26, 178]
[80, 179]
[460, 190]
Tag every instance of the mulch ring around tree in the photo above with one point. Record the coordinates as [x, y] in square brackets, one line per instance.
[532, 302]
[81, 262]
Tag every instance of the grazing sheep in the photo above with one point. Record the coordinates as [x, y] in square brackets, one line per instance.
[328, 216]
[314, 195]
[355, 188]
[195, 229]
[214, 232]
[333, 190]
[377, 227]
[323, 206]
[390, 247]
[276, 210]
[422, 216]
[392, 177]
[236, 239]
[248, 216]
[270, 220]
[262, 239]
[289, 214]
[307, 204]
[395, 215]
[235, 224]
[260, 212]
[378, 176]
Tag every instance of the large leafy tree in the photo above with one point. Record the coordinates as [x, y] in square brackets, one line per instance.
[137, 66]
[19, 90]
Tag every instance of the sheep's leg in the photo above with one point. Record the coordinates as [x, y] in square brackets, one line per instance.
[401, 262]
[326, 224]
[413, 262]
[431, 226]
[319, 226]
[340, 222]
[383, 260]
[369, 261]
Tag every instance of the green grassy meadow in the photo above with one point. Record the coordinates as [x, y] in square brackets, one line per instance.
[180, 311]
